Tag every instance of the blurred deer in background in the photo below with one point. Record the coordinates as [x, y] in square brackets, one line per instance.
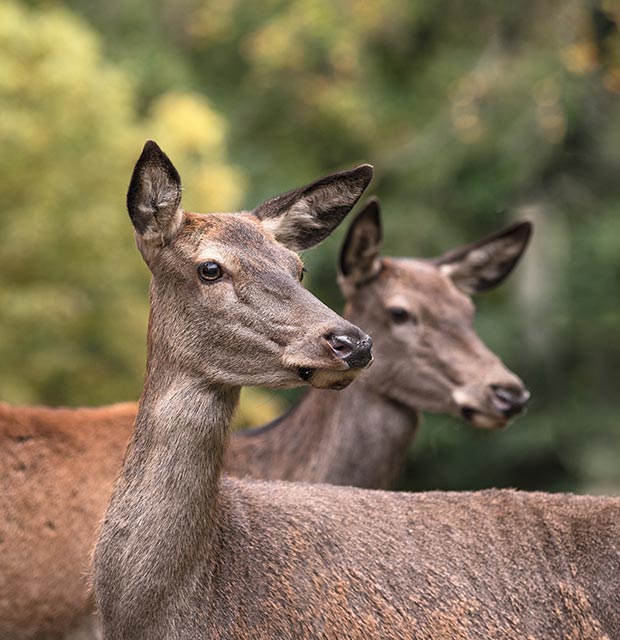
[185, 553]
[427, 357]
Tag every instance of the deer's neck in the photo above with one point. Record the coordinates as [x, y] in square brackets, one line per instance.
[365, 437]
[160, 522]
[353, 437]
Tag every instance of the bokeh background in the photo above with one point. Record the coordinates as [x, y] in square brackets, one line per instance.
[474, 113]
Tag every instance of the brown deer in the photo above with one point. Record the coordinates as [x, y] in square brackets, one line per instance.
[62, 462]
[186, 553]
[57, 471]
[427, 357]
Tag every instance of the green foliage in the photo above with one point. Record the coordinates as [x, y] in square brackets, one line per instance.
[474, 113]
[73, 303]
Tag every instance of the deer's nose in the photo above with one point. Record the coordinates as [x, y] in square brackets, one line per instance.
[509, 399]
[355, 350]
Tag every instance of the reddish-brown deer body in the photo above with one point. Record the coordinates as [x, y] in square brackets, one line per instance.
[184, 553]
[58, 467]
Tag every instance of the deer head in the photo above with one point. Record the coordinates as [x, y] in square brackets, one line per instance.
[227, 305]
[420, 314]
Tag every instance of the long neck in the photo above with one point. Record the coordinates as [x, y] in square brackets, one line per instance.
[365, 438]
[354, 437]
[160, 521]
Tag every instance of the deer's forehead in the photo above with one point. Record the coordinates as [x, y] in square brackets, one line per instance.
[237, 238]
[422, 281]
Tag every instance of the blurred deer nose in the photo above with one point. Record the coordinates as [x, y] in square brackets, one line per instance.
[356, 351]
[509, 399]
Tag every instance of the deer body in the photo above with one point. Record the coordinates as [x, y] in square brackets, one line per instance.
[184, 553]
[279, 560]
[58, 468]
[357, 437]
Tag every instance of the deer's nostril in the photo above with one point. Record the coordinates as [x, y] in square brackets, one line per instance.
[342, 345]
[509, 399]
[357, 353]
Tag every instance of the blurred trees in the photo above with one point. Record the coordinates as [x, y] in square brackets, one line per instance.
[473, 113]
[73, 289]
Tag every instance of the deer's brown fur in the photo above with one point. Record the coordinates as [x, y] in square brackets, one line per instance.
[357, 437]
[184, 553]
[57, 467]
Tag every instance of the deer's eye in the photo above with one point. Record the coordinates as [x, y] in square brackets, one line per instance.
[209, 271]
[400, 315]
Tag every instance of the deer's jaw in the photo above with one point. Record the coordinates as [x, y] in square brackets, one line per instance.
[329, 379]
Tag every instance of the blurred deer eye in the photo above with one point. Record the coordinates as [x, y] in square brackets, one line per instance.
[209, 271]
[400, 315]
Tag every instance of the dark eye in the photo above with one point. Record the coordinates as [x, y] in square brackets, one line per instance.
[400, 315]
[209, 271]
[302, 274]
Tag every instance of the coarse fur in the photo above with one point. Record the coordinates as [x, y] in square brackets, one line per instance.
[58, 467]
[357, 437]
[185, 553]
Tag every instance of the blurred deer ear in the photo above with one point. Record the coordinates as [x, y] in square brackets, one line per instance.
[302, 218]
[359, 255]
[154, 198]
[482, 265]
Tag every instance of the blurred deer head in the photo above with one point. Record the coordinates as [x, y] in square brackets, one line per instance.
[420, 314]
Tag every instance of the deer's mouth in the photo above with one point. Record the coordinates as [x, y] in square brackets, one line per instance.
[328, 378]
[305, 373]
[482, 419]
[488, 408]
[495, 411]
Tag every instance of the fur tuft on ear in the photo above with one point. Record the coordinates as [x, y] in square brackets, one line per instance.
[154, 197]
[302, 218]
[482, 265]
[359, 255]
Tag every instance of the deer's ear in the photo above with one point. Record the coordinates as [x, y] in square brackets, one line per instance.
[302, 218]
[481, 266]
[154, 198]
[359, 255]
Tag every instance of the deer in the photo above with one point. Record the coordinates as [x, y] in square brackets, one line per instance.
[428, 357]
[63, 461]
[58, 468]
[186, 552]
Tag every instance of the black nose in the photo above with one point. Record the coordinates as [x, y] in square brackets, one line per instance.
[510, 399]
[356, 351]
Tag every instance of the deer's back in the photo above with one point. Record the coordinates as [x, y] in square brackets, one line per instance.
[58, 469]
[344, 563]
